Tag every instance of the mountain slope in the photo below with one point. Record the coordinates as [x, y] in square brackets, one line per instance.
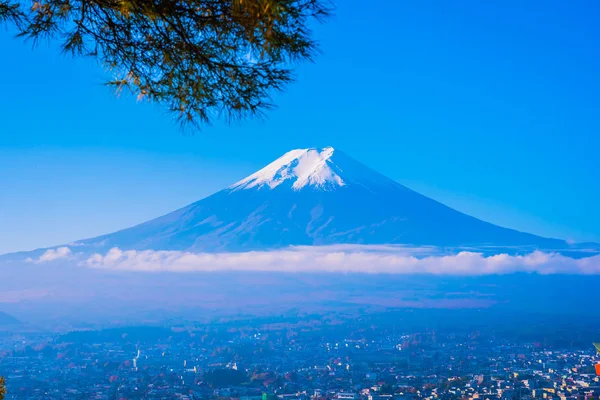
[8, 320]
[313, 197]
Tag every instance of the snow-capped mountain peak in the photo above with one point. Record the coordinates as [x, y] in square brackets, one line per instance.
[301, 168]
[314, 197]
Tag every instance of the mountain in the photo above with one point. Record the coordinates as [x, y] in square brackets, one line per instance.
[8, 320]
[313, 197]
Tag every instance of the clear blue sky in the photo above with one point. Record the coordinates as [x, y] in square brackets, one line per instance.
[490, 107]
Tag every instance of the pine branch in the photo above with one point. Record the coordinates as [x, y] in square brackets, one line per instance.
[200, 58]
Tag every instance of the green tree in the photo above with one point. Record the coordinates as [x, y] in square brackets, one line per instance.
[2, 388]
[201, 58]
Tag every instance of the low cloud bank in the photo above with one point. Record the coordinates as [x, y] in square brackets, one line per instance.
[360, 259]
[53, 254]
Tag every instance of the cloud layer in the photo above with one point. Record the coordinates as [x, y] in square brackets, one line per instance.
[346, 259]
[53, 254]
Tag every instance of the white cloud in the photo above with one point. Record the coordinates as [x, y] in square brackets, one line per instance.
[363, 259]
[53, 254]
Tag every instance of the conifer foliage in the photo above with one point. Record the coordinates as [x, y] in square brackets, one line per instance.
[201, 58]
[2, 388]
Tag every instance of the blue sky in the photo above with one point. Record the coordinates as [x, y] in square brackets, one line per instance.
[489, 107]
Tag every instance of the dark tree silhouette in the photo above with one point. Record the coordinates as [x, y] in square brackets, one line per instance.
[201, 58]
[224, 377]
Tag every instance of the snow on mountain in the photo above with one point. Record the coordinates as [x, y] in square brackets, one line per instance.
[302, 167]
[320, 169]
[314, 197]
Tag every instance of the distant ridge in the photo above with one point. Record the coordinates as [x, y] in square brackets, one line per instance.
[8, 320]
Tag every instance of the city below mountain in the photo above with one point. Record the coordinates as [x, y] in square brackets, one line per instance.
[315, 197]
